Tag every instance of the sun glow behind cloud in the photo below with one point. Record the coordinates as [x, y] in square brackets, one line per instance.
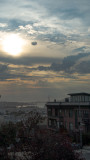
[48, 52]
[13, 44]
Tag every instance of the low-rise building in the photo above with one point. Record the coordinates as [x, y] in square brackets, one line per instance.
[73, 114]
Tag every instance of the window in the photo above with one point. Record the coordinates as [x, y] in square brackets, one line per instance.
[65, 112]
[49, 122]
[60, 112]
[76, 119]
[79, 113]
[85, 113]
[61, 123]
[49, 112]
[71, 126]
[66, 125]
[56, 112]
[54, 123]
[70, 113]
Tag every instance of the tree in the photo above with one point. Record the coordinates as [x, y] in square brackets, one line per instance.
[49, 146]
[27, 128]
[7, 134]
[42, 144]
[7, 137]
[35, 142]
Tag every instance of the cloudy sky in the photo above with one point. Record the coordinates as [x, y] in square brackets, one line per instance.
[44, 49]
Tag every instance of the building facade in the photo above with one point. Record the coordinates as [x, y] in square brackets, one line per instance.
[73, 114]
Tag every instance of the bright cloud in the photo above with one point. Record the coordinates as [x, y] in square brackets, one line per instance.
[56, 54]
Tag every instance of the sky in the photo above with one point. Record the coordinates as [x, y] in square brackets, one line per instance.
[44, 49]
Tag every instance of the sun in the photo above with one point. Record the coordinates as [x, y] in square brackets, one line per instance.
[13, 44]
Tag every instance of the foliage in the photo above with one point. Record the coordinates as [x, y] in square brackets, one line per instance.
[35, 143]
[7, 137]
[7, 134]
[47, 146]
[86, 139]
[26, 128]
[42, 144]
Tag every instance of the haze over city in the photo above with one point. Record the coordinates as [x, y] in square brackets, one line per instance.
[44, 49]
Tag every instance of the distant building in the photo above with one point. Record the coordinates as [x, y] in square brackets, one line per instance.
[73, 114]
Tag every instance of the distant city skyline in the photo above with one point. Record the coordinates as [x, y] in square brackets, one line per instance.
[44, 49]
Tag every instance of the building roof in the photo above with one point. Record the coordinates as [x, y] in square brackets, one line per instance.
[77, 94]
[53, 103]
[67, 105]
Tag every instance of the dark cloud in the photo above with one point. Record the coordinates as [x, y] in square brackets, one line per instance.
[81, 49]
[6, 73]
[55, 37]
[68, 10]
[14, 23]
[68, 64]
[3, 68]
[28, 61]
[83, 67]
[34, 43]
